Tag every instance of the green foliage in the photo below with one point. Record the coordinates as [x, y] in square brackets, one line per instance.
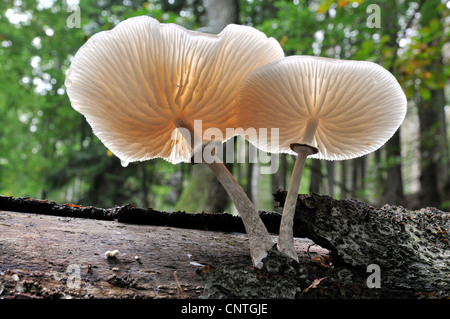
[47, 149]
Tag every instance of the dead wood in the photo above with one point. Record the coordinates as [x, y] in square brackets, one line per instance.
[47, 256]
[411, 248]
[49, 250]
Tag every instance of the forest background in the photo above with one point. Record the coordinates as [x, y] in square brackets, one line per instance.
[48, 151]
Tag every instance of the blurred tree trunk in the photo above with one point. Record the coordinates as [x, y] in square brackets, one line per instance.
[146, 180]
[330, 177]
[431, 101]
[254, 183]
[248, 178]
[393, 190]
[316, 176]
[195, 193]
[430, 112]
[220, 13]
[279, 178]
[358, 176]
[343, 184]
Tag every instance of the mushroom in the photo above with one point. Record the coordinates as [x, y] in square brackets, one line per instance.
[143, 85]
[112, 253]
[324, 108]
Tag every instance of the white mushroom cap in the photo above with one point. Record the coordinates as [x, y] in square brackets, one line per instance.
[137, 83]
[345, 109]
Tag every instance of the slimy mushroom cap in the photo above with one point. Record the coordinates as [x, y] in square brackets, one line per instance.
[142, 81]
[345, 109]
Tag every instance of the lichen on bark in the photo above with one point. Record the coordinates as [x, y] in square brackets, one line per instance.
[411, 247]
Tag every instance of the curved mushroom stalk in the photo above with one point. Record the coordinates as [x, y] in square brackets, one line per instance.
[259, 239]
[286, 236]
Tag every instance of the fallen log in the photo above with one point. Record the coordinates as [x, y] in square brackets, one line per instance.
[131, 214]
[50, 250]
[44, 256]
[387, 252]
[353, 250]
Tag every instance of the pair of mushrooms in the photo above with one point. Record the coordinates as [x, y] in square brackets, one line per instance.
[142, 85]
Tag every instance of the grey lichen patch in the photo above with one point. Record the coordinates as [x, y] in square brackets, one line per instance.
[280, 278]
[411, 247]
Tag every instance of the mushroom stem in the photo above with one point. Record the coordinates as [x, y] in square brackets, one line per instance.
[259, 239]
[286, 236]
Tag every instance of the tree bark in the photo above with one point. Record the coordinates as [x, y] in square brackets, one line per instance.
[59, 252]
[386, 252]
[43, 256]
